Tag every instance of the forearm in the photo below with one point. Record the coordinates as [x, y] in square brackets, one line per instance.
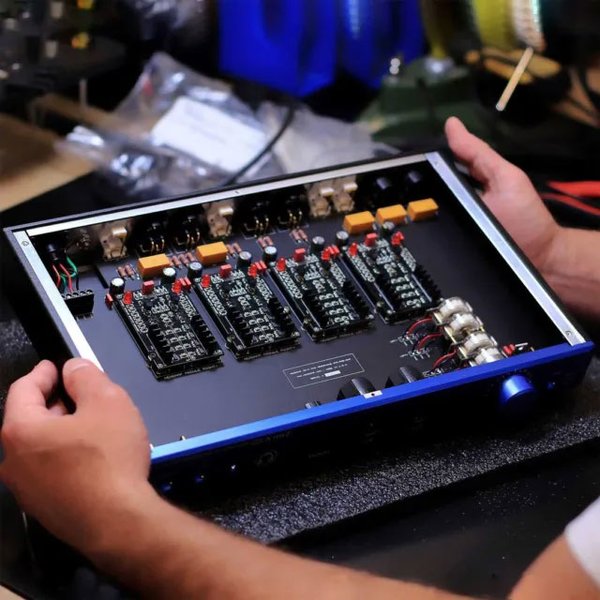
[162, 552]
[572, 269]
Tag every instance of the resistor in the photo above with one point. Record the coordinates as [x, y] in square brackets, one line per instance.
[230, 250]
[190, 257]
[295, 233]
[130, 271]
[302, 235]
[237, 247]
[262, 242]
[268, 240]
[175, 262]
[121, 272]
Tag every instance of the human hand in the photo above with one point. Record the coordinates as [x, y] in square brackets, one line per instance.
[77, 474]
[509, 194]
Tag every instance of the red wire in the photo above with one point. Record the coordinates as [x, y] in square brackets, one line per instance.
[428, 339]
[62, 268]
[587, 189]
[57, 276]
[573, 203]
[418, 324]
[442, 359]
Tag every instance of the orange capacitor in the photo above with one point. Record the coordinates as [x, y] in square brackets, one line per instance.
[151, 266]
[421, 210]
[211, 254]
[395, 214]
[361, 222]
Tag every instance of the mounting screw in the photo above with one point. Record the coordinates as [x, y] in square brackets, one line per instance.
[24, 243]
[568, 333]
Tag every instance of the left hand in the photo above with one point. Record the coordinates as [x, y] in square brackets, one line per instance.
[77, 474]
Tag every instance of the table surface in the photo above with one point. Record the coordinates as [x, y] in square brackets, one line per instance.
[472, 539]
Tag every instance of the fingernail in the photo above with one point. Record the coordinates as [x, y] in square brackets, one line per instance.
[75, 364]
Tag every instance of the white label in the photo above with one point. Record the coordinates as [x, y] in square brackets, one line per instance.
[208, 134]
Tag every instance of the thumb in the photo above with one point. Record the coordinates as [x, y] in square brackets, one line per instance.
[486, 165]
[84, 382]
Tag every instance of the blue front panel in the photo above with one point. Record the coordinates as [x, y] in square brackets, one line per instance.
[559, 366]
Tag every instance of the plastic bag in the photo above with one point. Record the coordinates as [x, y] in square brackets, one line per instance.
[178, 132]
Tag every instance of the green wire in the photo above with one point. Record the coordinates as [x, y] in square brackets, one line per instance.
[72, 265]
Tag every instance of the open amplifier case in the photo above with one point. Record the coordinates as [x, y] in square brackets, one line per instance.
[265, 325]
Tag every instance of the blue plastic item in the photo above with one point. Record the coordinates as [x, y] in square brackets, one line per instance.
[297, 45]
[289, 45]
[373, 32]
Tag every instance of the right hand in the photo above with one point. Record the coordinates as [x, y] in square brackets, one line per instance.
[80, 475]
[508, 193]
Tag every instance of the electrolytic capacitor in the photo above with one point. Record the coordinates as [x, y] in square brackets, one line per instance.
[270, 254]
[244, 260]
[117, 286]
[194, 270]
[341, 238]
[169, 275]
[317, 244]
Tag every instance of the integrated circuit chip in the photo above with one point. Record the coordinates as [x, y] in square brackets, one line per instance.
[171, 334]
[250, 316]
[391, 276]
[322, 295]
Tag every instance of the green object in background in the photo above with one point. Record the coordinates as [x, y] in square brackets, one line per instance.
[415, 101]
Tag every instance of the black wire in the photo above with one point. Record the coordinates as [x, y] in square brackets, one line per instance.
[287, 121]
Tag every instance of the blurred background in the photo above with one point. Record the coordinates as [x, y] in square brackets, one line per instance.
[136, 92]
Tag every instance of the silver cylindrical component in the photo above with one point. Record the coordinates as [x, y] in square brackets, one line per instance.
[474, 342]
[449, 307]
[461, 325]
[486, 356]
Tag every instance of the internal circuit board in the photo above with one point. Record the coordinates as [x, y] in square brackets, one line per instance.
[323, 296]
[169, 331]
[215, 313]
[251, 318]
[399, 287]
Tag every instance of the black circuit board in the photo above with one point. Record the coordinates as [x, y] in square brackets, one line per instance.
[171, 334]
[250, 316]
[323, 296]
[399, 287]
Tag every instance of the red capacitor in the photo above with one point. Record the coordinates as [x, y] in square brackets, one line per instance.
[128, 298]
[353, 250]
[397, 238]
[370, 239]
[147, 287]
[326, 255]
[205, 281]
[281, 265]
[109, 300]
[261, 266]
[177, 287]
[299, 254]
[333, 250]
[252, 270]
[225, 271]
